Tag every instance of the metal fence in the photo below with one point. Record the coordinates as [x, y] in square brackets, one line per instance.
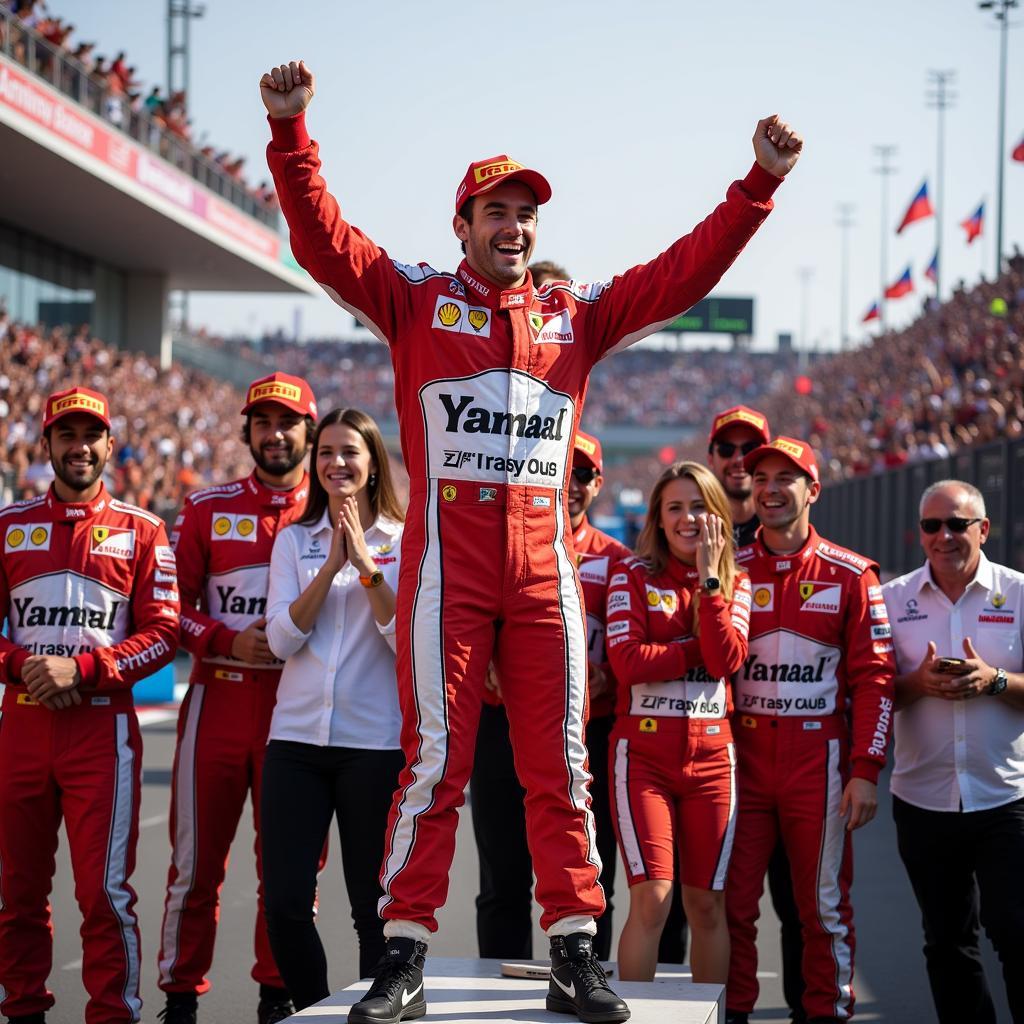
[877, 515]
[69, 76]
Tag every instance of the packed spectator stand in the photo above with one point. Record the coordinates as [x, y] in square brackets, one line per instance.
[43, 43]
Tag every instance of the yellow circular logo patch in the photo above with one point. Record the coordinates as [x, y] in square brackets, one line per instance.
[653, 598]
[449, 493]
[477, 319]
[245, 527]
[15, 538]
[222, 526]
[762, 597]
[39, 535]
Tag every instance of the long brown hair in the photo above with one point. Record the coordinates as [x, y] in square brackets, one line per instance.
[652, 545]
[381, 488]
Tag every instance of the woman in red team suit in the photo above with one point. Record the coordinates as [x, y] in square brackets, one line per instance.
[676, 631]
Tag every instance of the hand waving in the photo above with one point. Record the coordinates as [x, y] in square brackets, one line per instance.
[777, 147]
[288, 89]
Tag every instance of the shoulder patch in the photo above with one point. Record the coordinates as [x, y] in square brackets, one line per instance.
[588, 292]
[134, 510]
[840, 556]
[20, 506]
[417, 273]
[217, 491]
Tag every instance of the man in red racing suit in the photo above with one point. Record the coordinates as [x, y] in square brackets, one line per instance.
[89, 591]
[222, 540]
[813, 712]
[490, 378]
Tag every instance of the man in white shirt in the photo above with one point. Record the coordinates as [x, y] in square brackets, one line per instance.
[958, 781]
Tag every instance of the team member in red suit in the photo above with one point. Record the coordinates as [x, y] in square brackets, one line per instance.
[677, 630]
[223, 539]
[504, 925]
[813, 714]
[490, 377]
[735, 433]
[89, 591]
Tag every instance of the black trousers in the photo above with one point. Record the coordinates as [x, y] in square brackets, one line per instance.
[304, 787]
[503, 908]
[966, 869]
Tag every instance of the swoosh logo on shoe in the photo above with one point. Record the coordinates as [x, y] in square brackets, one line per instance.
[569, 990]
[408, 997]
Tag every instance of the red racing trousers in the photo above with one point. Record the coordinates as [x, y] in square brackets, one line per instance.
[222, 737]
[488, 573]
[792, 772]
[82, 763]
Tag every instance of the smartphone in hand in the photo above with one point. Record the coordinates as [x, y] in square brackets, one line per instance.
[951, 666]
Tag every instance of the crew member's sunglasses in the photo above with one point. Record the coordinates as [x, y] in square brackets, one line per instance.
[956, 524]
[584, 474]
[726, 449]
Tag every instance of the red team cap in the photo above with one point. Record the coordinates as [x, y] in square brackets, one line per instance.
[586, 451]
[484, 175]
[292, 392]
[740, 414]
[74, 400]
[799, 453]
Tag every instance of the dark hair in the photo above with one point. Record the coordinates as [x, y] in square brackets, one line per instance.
[548, 271]
[383, 500]
[247, 428]
[466, 213]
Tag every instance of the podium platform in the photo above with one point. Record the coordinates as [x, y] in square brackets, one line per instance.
[471, 991]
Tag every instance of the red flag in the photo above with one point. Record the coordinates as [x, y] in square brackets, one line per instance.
[871, 314]
[920, 207]
[974, 224]
[903, 285]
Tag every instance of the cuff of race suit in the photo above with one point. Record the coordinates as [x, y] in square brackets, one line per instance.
[88, 666]
[289, 134]
[406, 930]
[760, 184]
[864, 768]
[221, 641]
[571, 925]
[13, 663]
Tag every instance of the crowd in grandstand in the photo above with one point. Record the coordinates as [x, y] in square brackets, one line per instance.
[120, 93]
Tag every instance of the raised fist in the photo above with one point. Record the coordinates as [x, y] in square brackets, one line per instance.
[287, 90]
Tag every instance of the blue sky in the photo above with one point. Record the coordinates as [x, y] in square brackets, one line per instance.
[639, 113]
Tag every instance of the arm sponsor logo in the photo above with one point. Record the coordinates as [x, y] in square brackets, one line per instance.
[619, 601]
[165, 558]
[619, 579]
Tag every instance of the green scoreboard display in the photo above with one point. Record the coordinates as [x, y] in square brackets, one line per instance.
[716, 316]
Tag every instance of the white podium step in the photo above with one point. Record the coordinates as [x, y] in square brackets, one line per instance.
[475, 992]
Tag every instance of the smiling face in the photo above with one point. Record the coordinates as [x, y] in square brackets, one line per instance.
[78, 447]
[343, 461]
[783, 495]
[581, 493]
[735, 480]
[682, 511]
[502, 233]
[277, 438]
[953, 555]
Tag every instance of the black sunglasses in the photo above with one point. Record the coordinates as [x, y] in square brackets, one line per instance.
[584, 474]
[956, 524]
[726, 449]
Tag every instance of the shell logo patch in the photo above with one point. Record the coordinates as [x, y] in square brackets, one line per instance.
[648, 725]
[998, 600]
[662, 600]
[449, 493]
[764, 597]
[449, 314]
[459, 317]
[30, 537]
[232, 526]
[112, 542]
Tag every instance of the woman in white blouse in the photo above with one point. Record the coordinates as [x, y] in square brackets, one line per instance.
[334, 746]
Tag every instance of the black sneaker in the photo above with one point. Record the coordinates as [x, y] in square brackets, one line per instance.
[29, 1018]
[736, 1017]
[578, 984]
[181, 1008]
[397, 990]
[271, 1011]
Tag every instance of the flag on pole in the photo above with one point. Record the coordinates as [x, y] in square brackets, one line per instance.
[932, 271]
[871, 314]
[920, 207]
[1018, 152]
[903, 285]
[974, 224]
